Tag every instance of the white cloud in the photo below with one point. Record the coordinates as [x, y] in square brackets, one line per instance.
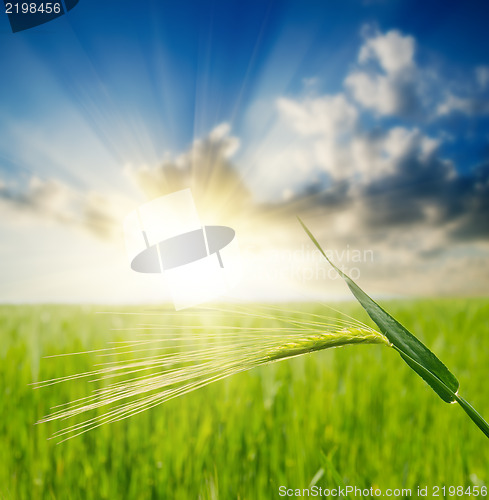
[328, 116]
[51, 200]
[378, 156]
[330, 140]
[399, 142]
[221, 137]
[376, 92]
[392, 87]
[322, 125]
[389, 82]
[304, 145]
[466, 105]
[482, 76]
[393, 51]
[206, 168]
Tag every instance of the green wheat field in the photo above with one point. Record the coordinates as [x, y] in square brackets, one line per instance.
[355, 415]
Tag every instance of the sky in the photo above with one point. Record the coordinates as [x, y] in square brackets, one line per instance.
[369, 119]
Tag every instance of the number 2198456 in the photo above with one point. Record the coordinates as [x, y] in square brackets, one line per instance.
[33, 8]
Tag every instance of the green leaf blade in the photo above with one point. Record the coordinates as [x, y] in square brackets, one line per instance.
[426, 364]
[408, 344]
[412, 351]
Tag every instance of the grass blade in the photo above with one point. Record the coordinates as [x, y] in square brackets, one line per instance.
[412, 351]
[409, 347]
[467, 407]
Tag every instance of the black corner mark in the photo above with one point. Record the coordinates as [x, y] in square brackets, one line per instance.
[24, 15]
[69, 4]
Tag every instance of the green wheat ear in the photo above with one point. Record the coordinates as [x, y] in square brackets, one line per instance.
[411, 350]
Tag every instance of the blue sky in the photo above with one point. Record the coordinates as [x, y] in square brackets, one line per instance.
[212, 57]
[363, 104]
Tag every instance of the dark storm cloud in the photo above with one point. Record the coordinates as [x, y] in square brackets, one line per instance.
[403, 196]
[474, 206]
[431, 194]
